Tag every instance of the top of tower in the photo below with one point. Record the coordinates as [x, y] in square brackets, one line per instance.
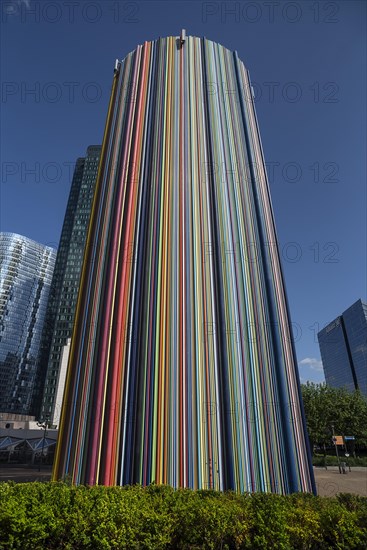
[182, 39]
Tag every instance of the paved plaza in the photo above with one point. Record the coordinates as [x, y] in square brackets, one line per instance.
[330, 482]
[22, 474]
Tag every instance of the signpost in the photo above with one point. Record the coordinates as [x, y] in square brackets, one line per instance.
[335, 441]
[342, 440]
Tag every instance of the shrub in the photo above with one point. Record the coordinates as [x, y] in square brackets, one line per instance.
[332, 460]
[59, 516]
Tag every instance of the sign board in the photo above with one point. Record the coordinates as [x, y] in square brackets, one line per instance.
[338, 440]
[349, 437]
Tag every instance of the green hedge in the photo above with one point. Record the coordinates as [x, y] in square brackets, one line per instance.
[56, 515]
[319, 460]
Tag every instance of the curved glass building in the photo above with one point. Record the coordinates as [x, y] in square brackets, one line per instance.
[182, 369]
[26, 269]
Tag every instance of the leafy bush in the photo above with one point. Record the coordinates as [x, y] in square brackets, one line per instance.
[331, 460]
[59, 516]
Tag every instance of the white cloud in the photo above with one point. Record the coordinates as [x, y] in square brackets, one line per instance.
[311, 362]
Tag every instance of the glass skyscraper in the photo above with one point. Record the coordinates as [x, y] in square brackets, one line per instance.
[182, 368]
[343, 347]
[26, 269]
[65, 282]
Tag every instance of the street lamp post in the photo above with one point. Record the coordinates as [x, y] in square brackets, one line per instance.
[42, 425]
[346, 453]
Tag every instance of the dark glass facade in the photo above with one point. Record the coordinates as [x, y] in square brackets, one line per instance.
[355, 321]
[343, 347]
[26, 269]
[65, 282]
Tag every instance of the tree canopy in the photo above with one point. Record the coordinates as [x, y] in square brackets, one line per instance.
[326, 406]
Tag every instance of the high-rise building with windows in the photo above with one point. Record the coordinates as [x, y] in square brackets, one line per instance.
[26, 269]
[182, 368]
[343, 348]
[65, 282]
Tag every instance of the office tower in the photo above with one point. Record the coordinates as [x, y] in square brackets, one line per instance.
[26, 269]
[343, 348]
[182, 369]
[65, 282]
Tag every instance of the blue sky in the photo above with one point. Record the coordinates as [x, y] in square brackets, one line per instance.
[307, 62]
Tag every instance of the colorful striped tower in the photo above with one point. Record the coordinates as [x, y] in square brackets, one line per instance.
[182, 369]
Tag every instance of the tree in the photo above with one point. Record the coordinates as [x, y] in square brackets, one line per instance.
[326, 406]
